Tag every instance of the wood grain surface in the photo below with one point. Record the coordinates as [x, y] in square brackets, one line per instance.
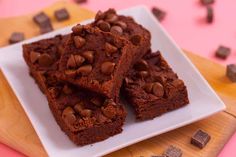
[17, 131]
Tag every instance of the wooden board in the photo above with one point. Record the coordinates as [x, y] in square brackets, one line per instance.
[17, 131]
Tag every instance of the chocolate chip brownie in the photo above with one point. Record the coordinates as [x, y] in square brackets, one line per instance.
[84, 116]
[152, 88]
[96, 60]
[124, 26]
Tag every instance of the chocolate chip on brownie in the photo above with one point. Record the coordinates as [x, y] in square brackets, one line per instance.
[68, 115]
[135, 39]
[158, 13]
[84, 70]
[107, 67]
[79, 41]
[200, 139]
[222, 52]
[61, 14]
[173, 151]
[231, 72]
[89, 56]
[207, 2]
[34, 56]
[210, 15]
[45, 60]
[16, 37]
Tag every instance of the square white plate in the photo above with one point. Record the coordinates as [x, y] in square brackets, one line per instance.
[203, 100]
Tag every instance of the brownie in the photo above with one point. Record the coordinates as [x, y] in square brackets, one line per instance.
[86, 117]
[152, 88]
[96, 60]
[124, 26]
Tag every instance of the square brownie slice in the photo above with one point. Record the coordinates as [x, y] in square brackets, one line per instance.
[84, 116]
[96, 60]
[152, 88]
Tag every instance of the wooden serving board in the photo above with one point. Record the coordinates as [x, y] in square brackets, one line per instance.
[17, 131]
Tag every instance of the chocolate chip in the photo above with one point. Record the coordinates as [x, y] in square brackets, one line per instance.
[97, 101]
[99, 15]
[46, 29]
[67, 90]
[79, 41]
[77, 29]
[222, 52]
[61, 14]
[79, 107]
[70, 73]
[45, 60]
[110, 49]
[41, 19]
[158, 13]
[210, 15]
[207, 2]
[116, 30]
[104, 26]
[135, 39]
[141, 65]
[107, 67]
[143, 74]
[68, 115]
[16, 37]
[158, 89]
[148, 87]
[71, 62]
[89, 56]
[173, 151]
[200, 139]
[111, 18]
[231, 72]
[86, 113]
[84, 70]
[34, 56]
[122, 24]
[79, 60]
[101, 118]
[109, 111]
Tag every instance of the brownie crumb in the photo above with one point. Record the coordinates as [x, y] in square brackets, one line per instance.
[61, 14]
[172, 151]
[222, 52]
[200, 139]
[231, 72]
[207, 2]
[210, 14]
[16, 37]
[158, 13]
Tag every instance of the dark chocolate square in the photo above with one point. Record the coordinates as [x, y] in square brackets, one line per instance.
[42, 19]
[231, 72]
[200, 139]
[46, 29]
[158, 13]
[62, 14]
[210, 15]
[223, 52]
[173, 151]
[207, 2]
[16, 37]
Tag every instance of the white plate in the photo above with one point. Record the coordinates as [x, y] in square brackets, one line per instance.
[203, 100]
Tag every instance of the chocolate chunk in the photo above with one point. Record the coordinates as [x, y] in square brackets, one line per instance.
[110, 49]
[86, 113]
[141, 65]
[89, 56]
[46, 29]
[122, 24]
[207, 2]
[99, 15]
[231, 72]
[111, 18]
[70, 73]
[79, 60]
[200, 139]
[61, 14]
[148, 87]
[104, 26]
[77, 29]
[67, 90]
[84, 70]
[45, 60]
[80, 1]
[101, 118]
[107, 67]
[97, 101]
[71, 62]
[109, 111]
[79, 107]
[135, 39]
[210, 15]
[116, 30]
[222, 52]
[79, 41]
[41, 19]
[34, 56]
[143, 74]
[158, 13]
[173, 151]
[68, 115]
[158, 89]
[16, 37]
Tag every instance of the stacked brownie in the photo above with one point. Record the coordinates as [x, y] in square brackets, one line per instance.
[81, 74]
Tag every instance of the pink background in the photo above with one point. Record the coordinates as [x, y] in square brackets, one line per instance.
[185, 21]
